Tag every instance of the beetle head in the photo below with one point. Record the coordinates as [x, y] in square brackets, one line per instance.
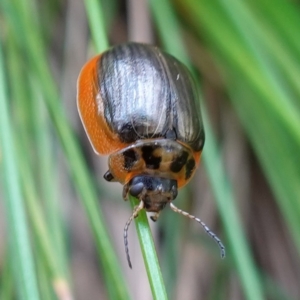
[155, 192]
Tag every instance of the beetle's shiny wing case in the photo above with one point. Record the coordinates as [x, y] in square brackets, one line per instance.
[135, 92]
[186, 113]
[139, 93]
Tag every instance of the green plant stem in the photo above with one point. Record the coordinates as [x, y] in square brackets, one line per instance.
[18, 229]
[6, 280]
[142, 225]
[149, 253]
[213, 163]
[18, 13]
[222, 189]
[96, 24]
[24, 147]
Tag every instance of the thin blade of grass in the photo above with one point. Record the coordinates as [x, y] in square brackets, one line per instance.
[284, 17]
[149, 253]
[166, 22]
[240, 251]
[19, 17]
[277, 147]
[262, 110]
[6, 280]
[142, 225]
[96, 24]
[16, 216]
[225, 35]
[20, 93]
[219, 180]
[279, 160]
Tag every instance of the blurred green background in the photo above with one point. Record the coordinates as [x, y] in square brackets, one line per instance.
[61, 225]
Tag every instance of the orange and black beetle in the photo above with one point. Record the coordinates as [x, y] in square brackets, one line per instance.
[141, 106]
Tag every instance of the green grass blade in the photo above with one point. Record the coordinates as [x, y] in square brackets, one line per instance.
[34, 49]
[6, 279]
[259, 99]
[96, 24]
[283, 17]
[280, 160]
[231, 46]
[22, 105]
[142, 225]
[149, 253]
[239, 249]
[18, 229]
[258, 52]
[219, 179]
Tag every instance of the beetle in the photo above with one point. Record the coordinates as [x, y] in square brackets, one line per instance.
[140, 106]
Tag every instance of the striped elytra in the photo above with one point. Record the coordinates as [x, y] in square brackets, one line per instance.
[136, 91]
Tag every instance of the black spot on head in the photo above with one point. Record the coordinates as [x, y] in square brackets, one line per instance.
[152, 162]
[179, 162]
[190, 166]
[130, 157]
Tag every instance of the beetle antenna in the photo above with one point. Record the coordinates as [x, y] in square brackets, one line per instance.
[135, 213]
[207, 230]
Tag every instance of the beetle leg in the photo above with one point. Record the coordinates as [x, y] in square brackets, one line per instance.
[125, 192]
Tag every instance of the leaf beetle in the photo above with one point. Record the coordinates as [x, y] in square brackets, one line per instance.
[140, 106]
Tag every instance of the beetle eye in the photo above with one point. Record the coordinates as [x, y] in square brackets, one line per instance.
[136, 189]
